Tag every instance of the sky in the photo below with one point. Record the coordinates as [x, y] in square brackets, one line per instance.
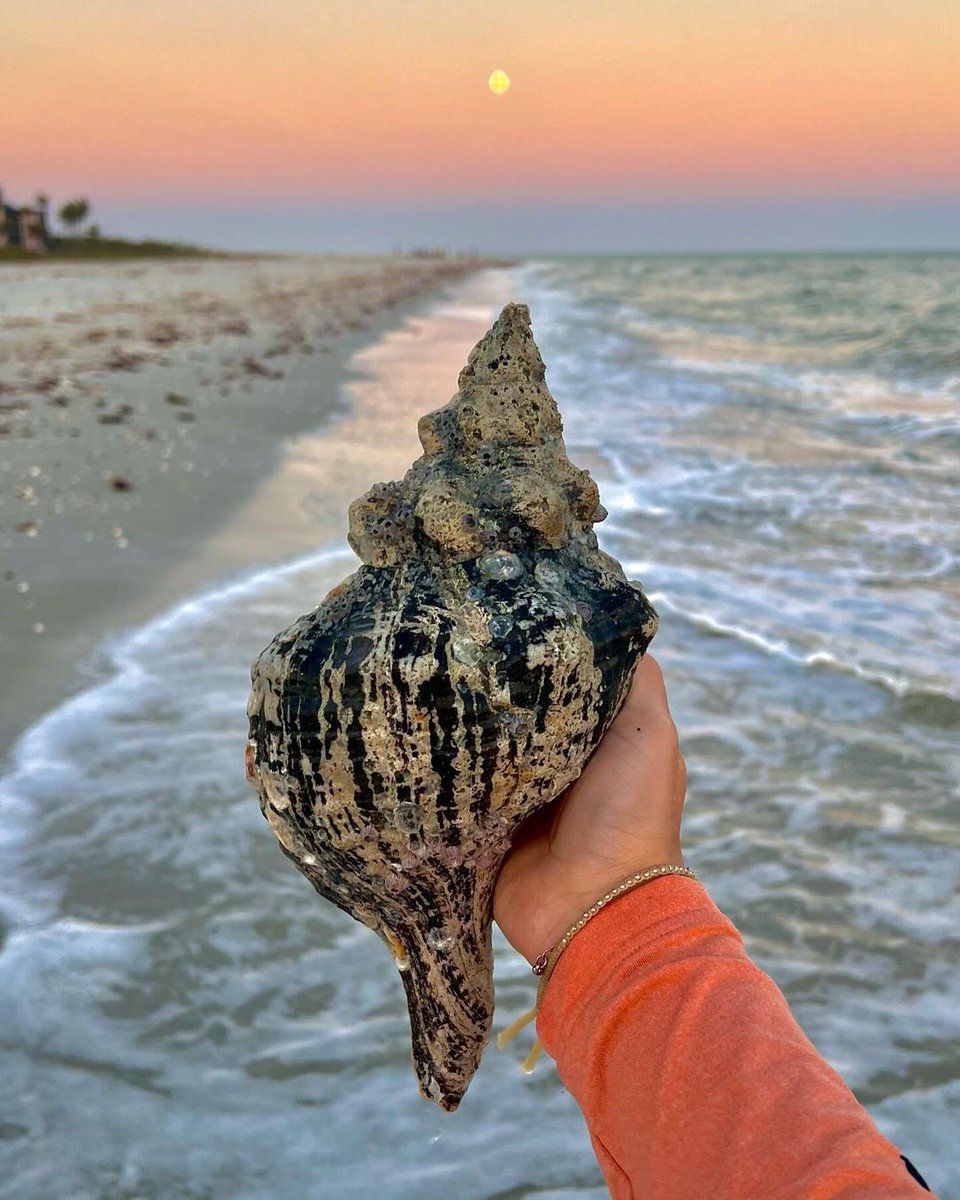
[368, 124]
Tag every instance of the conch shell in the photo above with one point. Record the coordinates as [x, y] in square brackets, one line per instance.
[460, 679]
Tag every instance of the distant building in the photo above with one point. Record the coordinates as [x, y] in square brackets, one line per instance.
[26, 227]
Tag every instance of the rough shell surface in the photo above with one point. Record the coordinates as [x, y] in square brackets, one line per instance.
[402, 730]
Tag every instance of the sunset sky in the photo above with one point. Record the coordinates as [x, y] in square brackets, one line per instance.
[370, 121]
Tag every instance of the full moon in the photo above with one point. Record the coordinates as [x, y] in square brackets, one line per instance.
[498, 82]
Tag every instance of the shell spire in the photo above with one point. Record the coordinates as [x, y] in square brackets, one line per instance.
[458, 681]
[494, 465]
[506, 353]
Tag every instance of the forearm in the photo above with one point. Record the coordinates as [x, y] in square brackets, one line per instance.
[694, 1077]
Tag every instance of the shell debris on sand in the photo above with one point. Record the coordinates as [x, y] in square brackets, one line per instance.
[459, 680]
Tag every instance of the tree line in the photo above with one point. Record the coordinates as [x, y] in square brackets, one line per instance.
[71, 215]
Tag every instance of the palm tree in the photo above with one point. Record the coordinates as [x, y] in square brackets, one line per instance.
[74, 212]
[41, 203]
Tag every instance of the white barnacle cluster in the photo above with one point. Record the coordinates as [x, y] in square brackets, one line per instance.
[517, 723]
[407, 817]
[501, 565]
[501, 625]
[465, 650]
[548, 574]
[277, 787]
[440, 939]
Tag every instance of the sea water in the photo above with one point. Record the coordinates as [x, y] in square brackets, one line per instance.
[777, 439]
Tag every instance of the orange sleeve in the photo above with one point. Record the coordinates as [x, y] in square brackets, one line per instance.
[693, 1076]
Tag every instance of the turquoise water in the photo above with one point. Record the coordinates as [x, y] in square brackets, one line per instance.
[777, 439]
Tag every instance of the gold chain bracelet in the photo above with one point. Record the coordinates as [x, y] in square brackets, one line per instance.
[546, 962]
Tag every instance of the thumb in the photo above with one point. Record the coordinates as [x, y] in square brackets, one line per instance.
[644, 721]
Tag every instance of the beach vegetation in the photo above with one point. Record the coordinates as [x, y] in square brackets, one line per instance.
[73, 214]
[25, 236]
[100, 247]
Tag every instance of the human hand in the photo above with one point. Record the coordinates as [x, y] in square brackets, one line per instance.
[621, 815]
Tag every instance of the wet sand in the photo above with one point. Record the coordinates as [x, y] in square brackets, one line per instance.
[142, 408]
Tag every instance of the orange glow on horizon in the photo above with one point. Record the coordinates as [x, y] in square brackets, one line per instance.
[312, 101]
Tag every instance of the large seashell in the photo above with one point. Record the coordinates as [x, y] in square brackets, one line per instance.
[402, 730]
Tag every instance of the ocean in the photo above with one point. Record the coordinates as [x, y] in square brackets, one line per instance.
[777, 438]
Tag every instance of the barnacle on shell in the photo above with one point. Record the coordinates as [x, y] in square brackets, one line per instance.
[460, 679]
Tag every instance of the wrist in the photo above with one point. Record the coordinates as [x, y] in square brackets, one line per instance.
[579, 893]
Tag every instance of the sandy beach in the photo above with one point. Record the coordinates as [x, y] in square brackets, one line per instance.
[142, 404]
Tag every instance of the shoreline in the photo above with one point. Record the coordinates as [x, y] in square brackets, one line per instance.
[125, 486]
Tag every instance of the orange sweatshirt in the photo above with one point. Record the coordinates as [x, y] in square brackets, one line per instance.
[694, 1078]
